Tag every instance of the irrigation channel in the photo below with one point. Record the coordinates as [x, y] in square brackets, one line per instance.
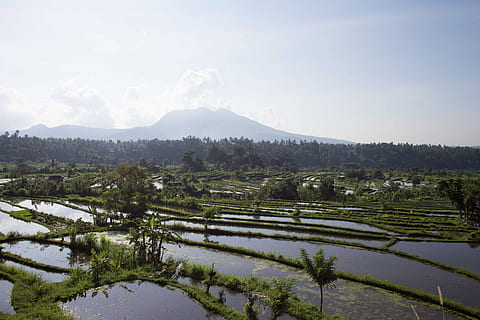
[381, 251]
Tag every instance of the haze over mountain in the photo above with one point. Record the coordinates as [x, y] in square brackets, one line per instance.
[174, 125]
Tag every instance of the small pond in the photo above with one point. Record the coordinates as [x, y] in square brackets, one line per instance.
[236, 300]
[57, 210]
[46, 253]
[49, 276]
[137, 300]
[9, 224]
[5, 292]
[8, 207]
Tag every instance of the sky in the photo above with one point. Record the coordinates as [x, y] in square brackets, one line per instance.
[365, 71]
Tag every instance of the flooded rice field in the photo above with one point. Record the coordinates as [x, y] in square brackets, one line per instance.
[46, 253]
[8, 207]
[382, 266]
[363, 302]
[10, 224]
[266, 231]
[307, 221]
[57, 210]
[461, 255]
[5, 292]
[137, 300]
[45, 275]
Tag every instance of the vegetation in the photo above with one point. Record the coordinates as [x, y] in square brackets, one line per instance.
[320, 270]
[237, 190]
[126, 190]
[230, 154]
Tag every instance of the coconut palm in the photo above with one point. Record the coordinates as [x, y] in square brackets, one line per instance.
[320, 270]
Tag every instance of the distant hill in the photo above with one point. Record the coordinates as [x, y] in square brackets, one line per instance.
[175, 125]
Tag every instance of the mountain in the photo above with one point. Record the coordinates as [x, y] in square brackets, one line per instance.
[69, 131]
[175, 125]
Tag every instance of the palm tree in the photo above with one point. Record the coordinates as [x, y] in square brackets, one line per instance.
[320, 270]
[99, 264]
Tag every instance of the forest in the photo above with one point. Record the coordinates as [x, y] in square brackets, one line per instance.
[238, 153]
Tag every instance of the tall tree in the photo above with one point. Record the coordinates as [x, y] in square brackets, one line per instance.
[127, 190]
[320, 270]
[464, 195]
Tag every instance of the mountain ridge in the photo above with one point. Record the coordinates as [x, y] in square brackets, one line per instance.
[177, 124]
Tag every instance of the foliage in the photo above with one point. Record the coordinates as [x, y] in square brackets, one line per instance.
[284, 189]
[277, 296]
[465, 195]
[320, 270]
[127, 190]
[190, 164]
[99, 264]
[149, 237]
[235, 153]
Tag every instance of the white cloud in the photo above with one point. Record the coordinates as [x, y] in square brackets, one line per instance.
[77, 97]
[194, 83]
[135, 110]
[71, 103]
[195, 89]
[11, 109]
[80, 105]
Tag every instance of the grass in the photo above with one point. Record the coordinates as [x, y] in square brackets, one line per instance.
[32, 297]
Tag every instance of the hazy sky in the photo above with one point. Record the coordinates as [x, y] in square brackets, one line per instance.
[365, 71]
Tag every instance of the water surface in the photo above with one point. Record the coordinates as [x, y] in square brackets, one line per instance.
[9, 224]
[382, 266]
[356, 301]
[8, 207]
[57, 210]
[46, 253]
[460, 255]
[45, 275]
[5, 292]
[138, 300]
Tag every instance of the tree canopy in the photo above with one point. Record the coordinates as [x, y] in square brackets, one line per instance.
[235, 153]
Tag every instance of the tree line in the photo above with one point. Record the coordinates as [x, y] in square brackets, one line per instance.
[238, 153]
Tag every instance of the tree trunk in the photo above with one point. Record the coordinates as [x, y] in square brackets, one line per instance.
[321, 299]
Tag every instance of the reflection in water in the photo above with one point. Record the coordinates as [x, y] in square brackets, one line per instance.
[9, 224]
[47, 254]
[137, 300]
[56, 210]
[5, 292]
[382, 266]
[49, 276]
[355, 301]
[8, 207]
[460, 255]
